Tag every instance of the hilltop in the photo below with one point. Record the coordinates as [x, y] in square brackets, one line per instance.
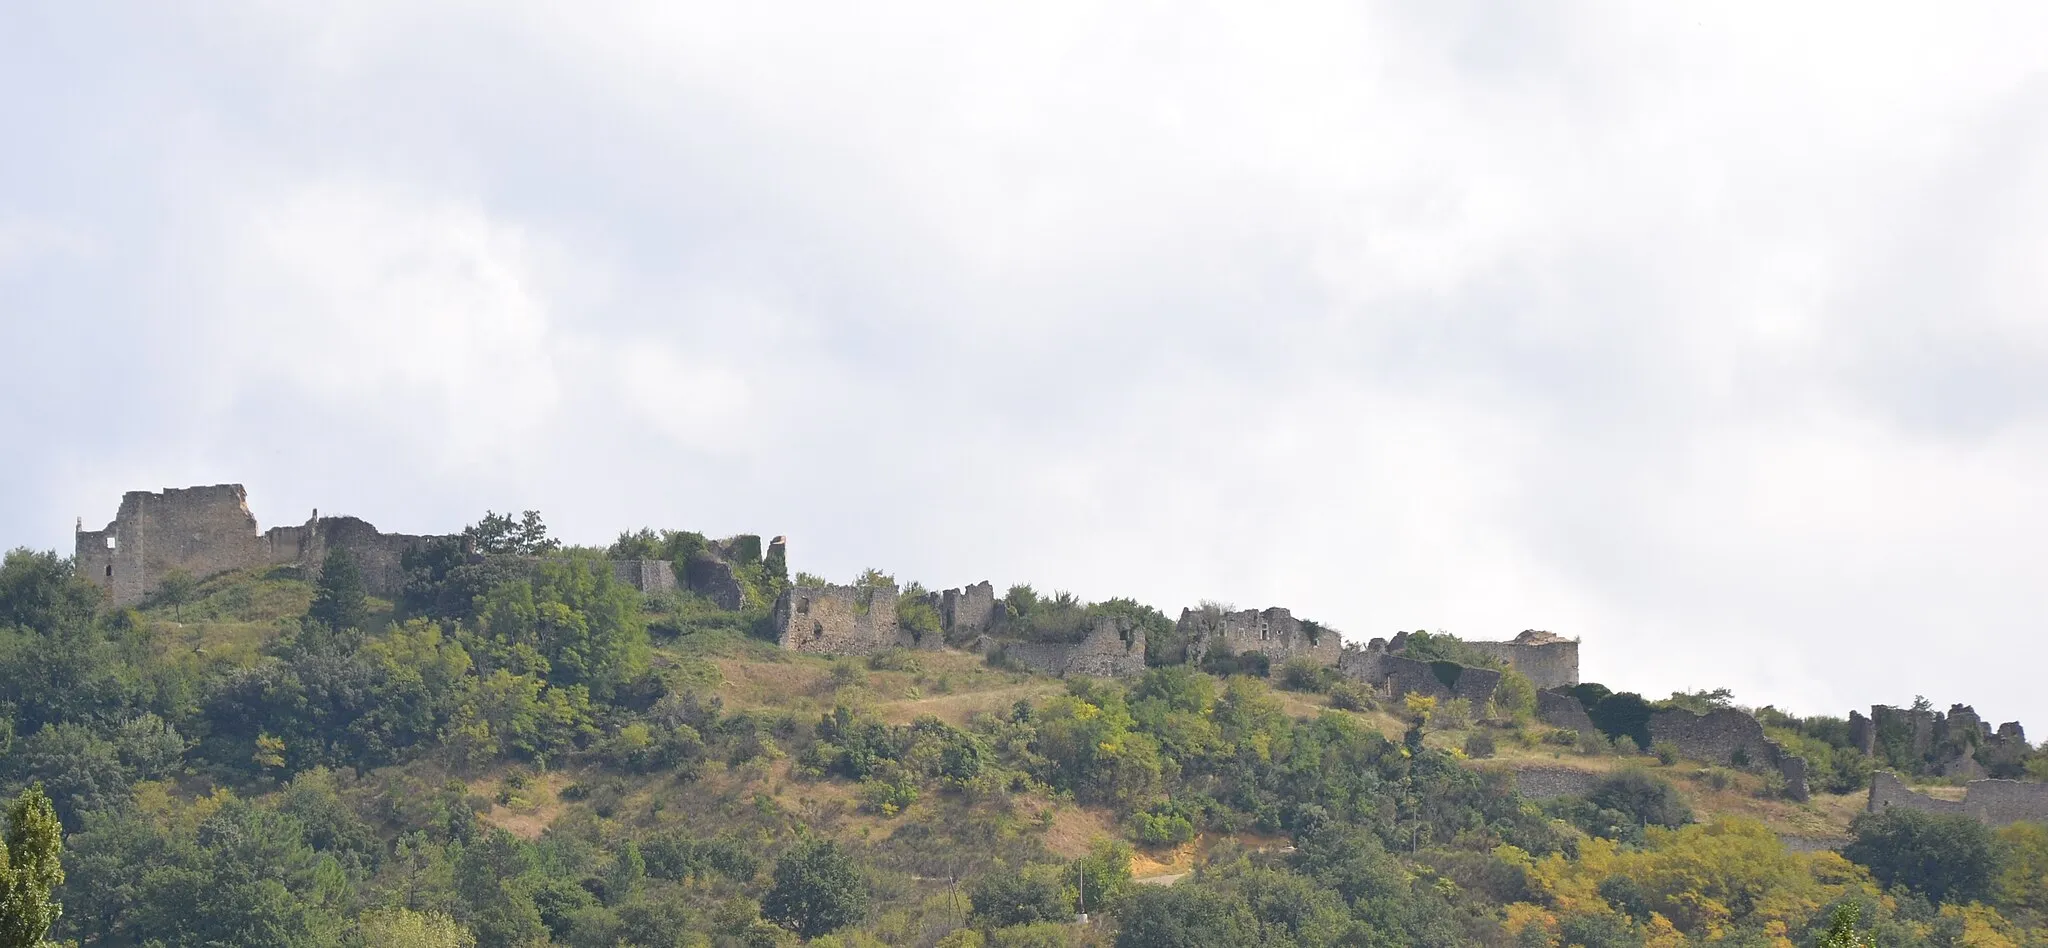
[322, 735]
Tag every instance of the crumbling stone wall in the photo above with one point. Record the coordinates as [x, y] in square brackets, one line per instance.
[1728, 736]
[964, 612]
[652, 577]
[1395, 675]
[200, 531]
[1562, 709]
[1548, 660]
[1111, 649]
[713, 577]
[839, 620]
[1274, 632]
[1545, 783]
[205, 531]
[1995, 802]
[1944, 744]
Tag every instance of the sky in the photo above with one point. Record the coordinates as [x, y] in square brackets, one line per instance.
[1715, 335]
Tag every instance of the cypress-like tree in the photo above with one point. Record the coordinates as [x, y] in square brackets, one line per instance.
[29, 870]
[340, 602]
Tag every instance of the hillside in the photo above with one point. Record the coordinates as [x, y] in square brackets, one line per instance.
[522, 750]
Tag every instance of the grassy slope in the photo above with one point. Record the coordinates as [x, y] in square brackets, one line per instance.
[233, 615]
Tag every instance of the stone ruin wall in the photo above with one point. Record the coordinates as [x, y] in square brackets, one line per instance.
[1728, 736]
[1274, 633]
[1546, 783]
[1548, 663]
[652, 577]
[206, 531]
[1994, 802]
[1561, 709]
[1108, 651]
[832, 620]
[965, 612]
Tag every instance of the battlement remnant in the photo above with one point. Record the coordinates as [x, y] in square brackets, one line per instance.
[840, 620]
[1112, 648]
[1274, 633]
[1546, 659]
[1994, 802]
[206, 531]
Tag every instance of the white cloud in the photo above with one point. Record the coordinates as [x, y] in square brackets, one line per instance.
[1709, 333]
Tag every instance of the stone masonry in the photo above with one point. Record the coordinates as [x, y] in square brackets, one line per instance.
[840, 620]
[1109, 650]
[1728, 736]
[206, 531]
[964, 612]
[1549, 661]
[1274, 633]
[1994, 802]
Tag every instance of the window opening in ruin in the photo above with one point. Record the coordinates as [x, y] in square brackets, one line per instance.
[803, 606]
[110, 571]
[112, 543]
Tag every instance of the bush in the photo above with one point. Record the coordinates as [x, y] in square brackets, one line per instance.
[1647, 799]
[1947, 857]
[1454, 714]
[896, 659]
[1667, 752]
[1352, 696]
[1479, 744]
[1302, 673]
[1161, 828]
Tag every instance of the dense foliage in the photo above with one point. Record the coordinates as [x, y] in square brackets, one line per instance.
[522, 751]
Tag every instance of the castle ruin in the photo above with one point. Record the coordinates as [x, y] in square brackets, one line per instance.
[1274, 633]
[205, 531]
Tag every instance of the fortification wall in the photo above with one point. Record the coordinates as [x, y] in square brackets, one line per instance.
[968, 611]
[1561, 709]
[652, 577]
[1728, 736]
[1547, 660]
[1545, 783]
[1274, 632]
[1995, 802]
[378, 555]
[1403, 676]
[200, 531]
[839, 620]
[1110, 650]
[712, 576]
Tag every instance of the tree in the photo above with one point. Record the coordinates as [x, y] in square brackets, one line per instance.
[1842, 932]
[1947, 857]
[29, 870]
[340, 603]
[175, 590]
[818, 889]
[39, 591]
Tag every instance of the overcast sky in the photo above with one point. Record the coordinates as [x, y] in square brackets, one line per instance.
[1715, 334]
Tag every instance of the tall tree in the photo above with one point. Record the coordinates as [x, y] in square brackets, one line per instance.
[818, 889]
[29, 870]
[340, 603]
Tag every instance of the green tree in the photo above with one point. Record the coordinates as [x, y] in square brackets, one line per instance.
[340, 603]
[30, 870]
[818, 889]
[1842, 933]
[1186, 916]
[175, 590]
[39, 591]
[1947, 857]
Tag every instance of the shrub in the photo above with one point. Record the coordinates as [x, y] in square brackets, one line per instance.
[1591, 743]
[1352, 696]
[1159, 827]
[1647, 799]
[1479, 744]
[896, 659]
[1667, 752]
[1302, 673]
[1947, 857]
[1454, 714]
